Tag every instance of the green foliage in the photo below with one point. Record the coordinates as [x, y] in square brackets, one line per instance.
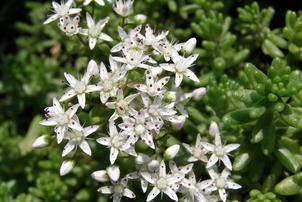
[253, 81]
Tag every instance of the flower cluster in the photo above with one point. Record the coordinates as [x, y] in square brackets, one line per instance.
[142, 107]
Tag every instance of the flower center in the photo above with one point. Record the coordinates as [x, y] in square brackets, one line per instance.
[161, 183]
[62, 119]
[139, 129]
[220, 183]
[80, 87]
[180, 67]
[94, 32]
[118, 189]
[107, 85]
[116, 141]
[62, 10]
[153, 110]
[77, 137]
[121, 107]
[219, 151]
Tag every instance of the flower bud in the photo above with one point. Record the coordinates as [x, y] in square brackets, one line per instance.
[189, 46]
[171, 152]
[100, 175]
[199, 93]
[41, 142]
[214, 129]
[114, 173]
[66, 167]
[153, 165]
[142, 158]
[140, 18]
[92, 68]
[170, 96]
[177, 121]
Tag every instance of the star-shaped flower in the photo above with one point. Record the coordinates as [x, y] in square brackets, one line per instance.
[139, 127]
[152, 87]
[117, 143]
[78, 88]
[151, 39]
[219, 152]
[180, 67]
[162, 182]
[78, 138]
[56, 116]
[121, 105]
[219, 182]
[94, 31]
[62, 10]
[197, 152]
[118, 189]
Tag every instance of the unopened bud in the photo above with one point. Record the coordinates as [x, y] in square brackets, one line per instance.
[177, 121]
[214, 130]
[171, 152]
[170, 96]
[140, 18]
[153, 165]
[114, 173]
[189, 46]
[142, 158]
[66, 167]
[100, 175]
[92, 68]
[41, 141]
[199, 93]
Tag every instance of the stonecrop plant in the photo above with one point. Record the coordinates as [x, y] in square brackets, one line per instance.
[140, 86]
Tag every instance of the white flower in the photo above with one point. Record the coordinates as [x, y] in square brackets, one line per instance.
[219, 152]
[62, 10]
[133, 40]
[123, 7]
[165, 48]
[162, 183]
[118, 189]
[61, 119]
[109, 82]
[139, 127]
[100, 2]
[152, 87]
[94, 31]
[150, 39]
[117, 143]
[189, 45]
[219, 182]
[134, 58]
[78, 88]
[171, 152]
[155, 110]
[41, 142]
[69, 25]
[197, 152]
[181, 171]
[121, 105]
[66, 167]
[78, 138]
[180, 67]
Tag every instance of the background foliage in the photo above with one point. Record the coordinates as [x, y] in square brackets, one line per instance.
[250, 59]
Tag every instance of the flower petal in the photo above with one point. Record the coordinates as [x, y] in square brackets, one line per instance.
[82, 100]
[171, 194]
[178, 79]
[113, 154]
[153, 193]
[85, 147]
[67, 149]
[188, 73]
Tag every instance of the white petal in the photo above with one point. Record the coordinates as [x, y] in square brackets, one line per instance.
[57, 105]
[66, 167]
[72, 110]
[100, 2]
[74, 124]
[222, 194]
[128, 193]
[162, 169]
[103, 72]
[89, 20]
[68, 148]
[214, 129]
[92, 88]
[178, 79]
[112, 129]
[105, 190]
[73, 11]
[92, 42]
[41, 141]
[48, 122]
[113, 154]
[105, 37]
[82, 100]
[70, 79]
[87, 2]
[171, 194]
[233, 185]
[168, 67]
[187, 168]
[153, 193]
[60, 131]
[104, 141]
[144, 185]
[67, 95]
[148, 139]
[51, 19]
[213, 159]
[226, 161]
[207, 146]
[230, 147]
[114, 173]
[90, 129]
[188, 147]
[100, 175]
[118, 47]
[191, 75]
[85, 147]
[205, 184]
[148, 177]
